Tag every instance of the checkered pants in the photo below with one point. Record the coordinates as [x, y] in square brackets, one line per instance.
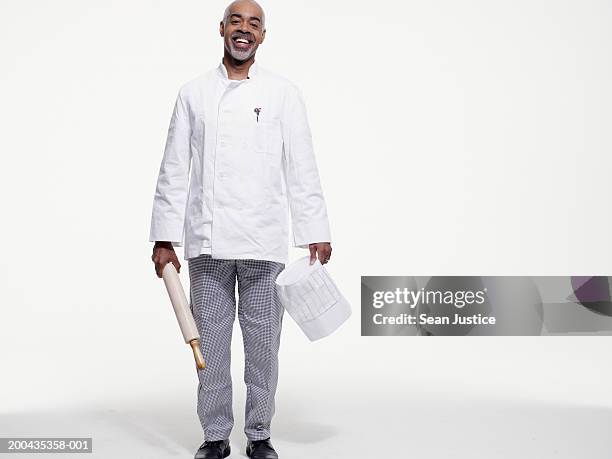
[260, 313]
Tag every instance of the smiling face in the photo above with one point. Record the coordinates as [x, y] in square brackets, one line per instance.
[243, 29]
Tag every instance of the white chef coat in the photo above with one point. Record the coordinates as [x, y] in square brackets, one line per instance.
[231, 178]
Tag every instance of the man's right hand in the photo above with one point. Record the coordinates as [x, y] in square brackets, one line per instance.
[163, 252]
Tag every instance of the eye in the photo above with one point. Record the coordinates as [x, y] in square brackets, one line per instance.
[235, 21]
[254, 25]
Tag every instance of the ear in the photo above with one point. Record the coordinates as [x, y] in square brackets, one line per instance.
[263, 36]
[221, 29]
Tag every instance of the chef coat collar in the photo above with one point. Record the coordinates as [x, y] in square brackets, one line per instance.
[222, 71]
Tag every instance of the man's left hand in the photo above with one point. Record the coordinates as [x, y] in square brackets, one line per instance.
[321, 249]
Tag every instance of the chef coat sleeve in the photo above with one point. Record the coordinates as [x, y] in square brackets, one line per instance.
[305, 196]
[170, 199]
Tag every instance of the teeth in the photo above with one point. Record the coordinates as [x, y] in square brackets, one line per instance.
[241, 40]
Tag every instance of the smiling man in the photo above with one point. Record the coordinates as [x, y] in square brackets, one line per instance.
[238, 162]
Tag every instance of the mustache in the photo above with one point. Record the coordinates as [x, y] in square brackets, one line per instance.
[246, 36]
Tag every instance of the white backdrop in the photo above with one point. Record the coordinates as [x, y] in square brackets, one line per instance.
[452, 138]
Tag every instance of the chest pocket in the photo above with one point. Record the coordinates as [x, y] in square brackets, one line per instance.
[268, 138]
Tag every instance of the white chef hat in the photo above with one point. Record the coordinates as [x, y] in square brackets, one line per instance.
[311, 297]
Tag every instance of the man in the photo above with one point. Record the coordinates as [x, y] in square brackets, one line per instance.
[238, 161]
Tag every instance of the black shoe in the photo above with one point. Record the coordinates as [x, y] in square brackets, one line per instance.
[260, 449]
[213, 450]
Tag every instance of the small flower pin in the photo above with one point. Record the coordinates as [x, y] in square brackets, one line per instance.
[257, 110]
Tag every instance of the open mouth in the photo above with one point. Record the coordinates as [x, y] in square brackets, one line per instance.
[242, 43]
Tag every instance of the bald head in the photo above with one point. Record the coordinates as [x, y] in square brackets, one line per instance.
[237, 5]
[243, 29]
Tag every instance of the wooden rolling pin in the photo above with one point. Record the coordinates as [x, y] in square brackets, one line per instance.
[183, 312]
